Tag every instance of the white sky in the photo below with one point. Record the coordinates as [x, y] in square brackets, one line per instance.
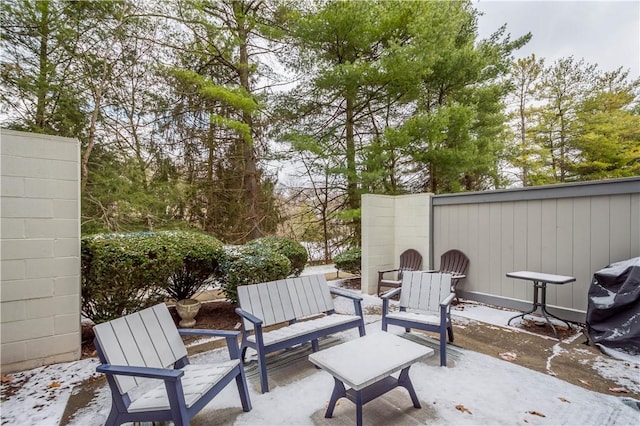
[605, 32]
[505, 398]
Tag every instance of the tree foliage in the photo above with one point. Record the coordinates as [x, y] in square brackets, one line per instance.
[191, 112]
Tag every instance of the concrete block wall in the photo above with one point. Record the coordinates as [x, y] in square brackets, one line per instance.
[39, 250]
[390, 225]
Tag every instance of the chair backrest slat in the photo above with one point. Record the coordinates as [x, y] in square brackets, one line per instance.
[171, 334]
[284, 300]
[114, 353]
[424, 291]
[148, 338]
[141, 340]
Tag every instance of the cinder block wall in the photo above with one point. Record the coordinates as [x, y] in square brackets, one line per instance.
[39, 250]
[390, 225]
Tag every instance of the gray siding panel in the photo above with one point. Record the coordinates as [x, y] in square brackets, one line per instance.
[571, 229]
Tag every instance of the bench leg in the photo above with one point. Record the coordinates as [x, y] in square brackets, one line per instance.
[243, 353]
[262, 365]
[314, 345]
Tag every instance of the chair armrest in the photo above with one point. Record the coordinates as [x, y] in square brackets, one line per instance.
[389, 294]
[248, 316]
[385, 300]
[344, 293]
[447, 301]
[388, 270]
[148, 372]
[216, 333]
[230, 336]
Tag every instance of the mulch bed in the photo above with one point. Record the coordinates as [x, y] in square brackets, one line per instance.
[221, 315]
[217, 315]
[544, 329]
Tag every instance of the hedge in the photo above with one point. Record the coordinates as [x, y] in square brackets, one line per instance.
[251, 264]
[349, 260]
[124, 273]
[291, 249]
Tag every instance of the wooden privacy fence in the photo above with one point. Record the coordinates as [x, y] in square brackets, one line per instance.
[569, 229]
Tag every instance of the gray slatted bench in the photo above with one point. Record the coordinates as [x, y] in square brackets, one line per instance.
[287, 301]
[146, 345]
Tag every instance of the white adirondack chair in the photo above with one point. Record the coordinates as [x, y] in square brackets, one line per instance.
[147, 345]
[425, 303]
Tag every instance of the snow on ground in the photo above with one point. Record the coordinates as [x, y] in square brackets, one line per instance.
[479, 390]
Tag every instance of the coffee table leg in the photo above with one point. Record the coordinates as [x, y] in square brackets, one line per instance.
[405, 382]
[338, 392]
[359, 408]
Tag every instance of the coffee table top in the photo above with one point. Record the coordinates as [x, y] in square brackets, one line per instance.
[366, 360]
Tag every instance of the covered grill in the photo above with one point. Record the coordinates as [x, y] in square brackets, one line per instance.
[613, 312]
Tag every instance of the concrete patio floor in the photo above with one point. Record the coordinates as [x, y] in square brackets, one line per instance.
[570, 360]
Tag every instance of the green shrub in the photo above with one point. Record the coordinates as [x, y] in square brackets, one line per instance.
[349, 260]
[201, 255]
[124, 273]
[291, 249]
[251, 264]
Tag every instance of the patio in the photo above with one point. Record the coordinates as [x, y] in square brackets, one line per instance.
[497, 375]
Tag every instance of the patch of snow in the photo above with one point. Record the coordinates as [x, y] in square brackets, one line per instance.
[507, 397]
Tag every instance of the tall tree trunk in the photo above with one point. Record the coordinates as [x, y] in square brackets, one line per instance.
[523, 140]
[209, 219]
[353, 199]
[43, 63]
[250, 174]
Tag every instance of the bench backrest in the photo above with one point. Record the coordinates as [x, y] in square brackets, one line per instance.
[424, 291]
[148, 338]
[284, 300]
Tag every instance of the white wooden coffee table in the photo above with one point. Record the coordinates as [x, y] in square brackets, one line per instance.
[365, 365]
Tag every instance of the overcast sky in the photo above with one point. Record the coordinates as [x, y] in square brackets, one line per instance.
[605, 32]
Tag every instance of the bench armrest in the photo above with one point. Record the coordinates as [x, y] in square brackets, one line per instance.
[357, 300]
[230, 335]
[249, 316]
[344, 293]
[388, 270]
[166, 374]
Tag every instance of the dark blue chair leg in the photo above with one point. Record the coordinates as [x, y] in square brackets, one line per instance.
[113, 417]
[241, 382]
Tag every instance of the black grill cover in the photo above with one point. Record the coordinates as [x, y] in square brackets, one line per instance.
[613, 313]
